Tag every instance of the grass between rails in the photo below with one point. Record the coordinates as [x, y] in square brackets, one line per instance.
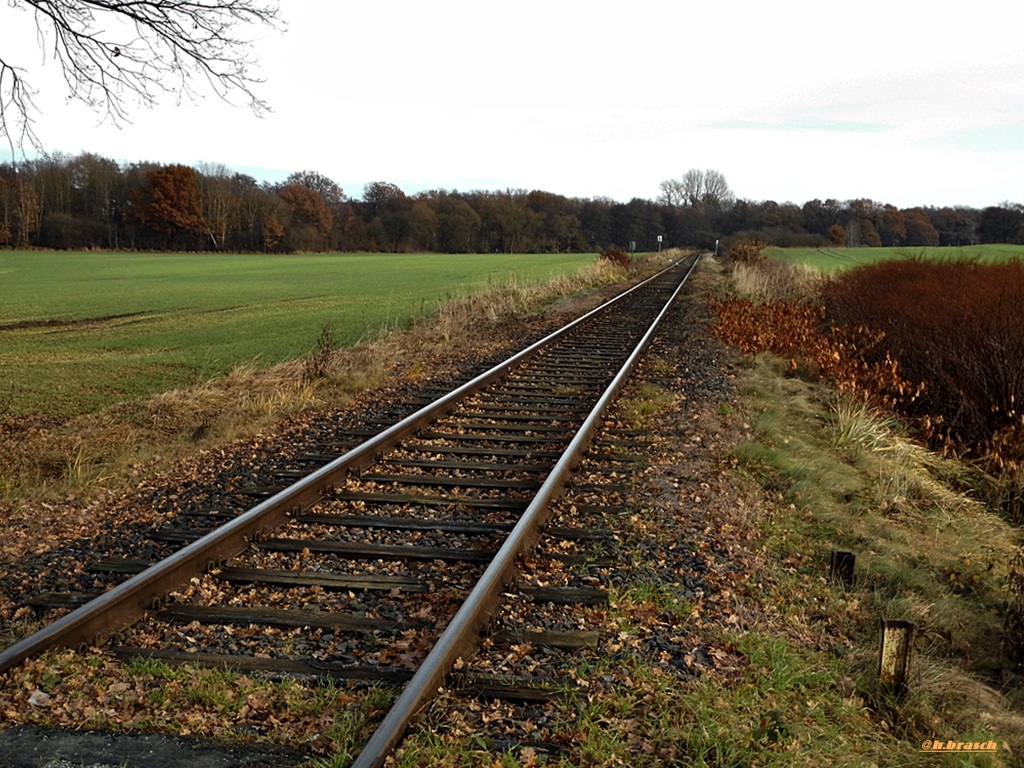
[80, 331]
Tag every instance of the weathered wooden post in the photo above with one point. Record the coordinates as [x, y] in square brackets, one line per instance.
[894, 656]
[842, 567]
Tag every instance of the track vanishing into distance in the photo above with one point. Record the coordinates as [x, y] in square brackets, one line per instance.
[390, 549]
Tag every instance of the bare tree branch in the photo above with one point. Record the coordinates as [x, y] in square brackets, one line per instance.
[672, 193]
[15, 106]
[697, 189]
[119, 54]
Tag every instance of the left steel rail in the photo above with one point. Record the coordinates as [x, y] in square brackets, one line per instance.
[121, 606]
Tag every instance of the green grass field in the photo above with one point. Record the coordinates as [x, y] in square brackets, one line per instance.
[842, 258]
[79, 331]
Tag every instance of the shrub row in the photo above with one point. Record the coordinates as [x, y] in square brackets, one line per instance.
[957, 330]
[797, 330]
[940, 343]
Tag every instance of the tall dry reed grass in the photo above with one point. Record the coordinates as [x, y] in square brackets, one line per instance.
[766, 281]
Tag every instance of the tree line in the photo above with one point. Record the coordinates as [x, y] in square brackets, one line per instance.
[88, 201]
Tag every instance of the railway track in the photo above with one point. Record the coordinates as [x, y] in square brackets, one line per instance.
[382, 533]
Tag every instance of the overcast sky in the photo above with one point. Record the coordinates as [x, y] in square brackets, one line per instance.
[903, 102]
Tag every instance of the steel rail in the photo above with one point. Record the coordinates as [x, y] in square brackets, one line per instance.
[127, 602]
[462, 633]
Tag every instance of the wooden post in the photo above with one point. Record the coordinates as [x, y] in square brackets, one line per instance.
[894, 656]
[842, 567]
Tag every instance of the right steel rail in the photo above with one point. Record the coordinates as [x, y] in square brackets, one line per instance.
[462, 633]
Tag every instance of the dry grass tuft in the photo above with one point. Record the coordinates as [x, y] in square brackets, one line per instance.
[763, 281]
[965, 706]
[909, 475]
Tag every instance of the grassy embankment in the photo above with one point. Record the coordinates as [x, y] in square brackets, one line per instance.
[847, 476]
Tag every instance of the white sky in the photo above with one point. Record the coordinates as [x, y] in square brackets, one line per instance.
[908, 103]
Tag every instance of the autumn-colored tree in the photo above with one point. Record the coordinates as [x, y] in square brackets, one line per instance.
[328, 189]
[955, 225]
[335, 199]
[639, 222]
[311, 220]
[423, 222]
[770, 217]
[1001, 224]
[837, 235]
[861, 225]
[596, 221]
[273, 233]
[458, 225]
[559, 225]
[508, 222]
[387, 212]
[891, 226]
[919, 228]
[379, 195]
[818, 216]
[171, 204]
[784, 217]
[354, 234]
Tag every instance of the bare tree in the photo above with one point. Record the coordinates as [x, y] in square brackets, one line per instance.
[115, 55]
[716, 190]
[693, 187]
[672, 193]
[697, 189]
